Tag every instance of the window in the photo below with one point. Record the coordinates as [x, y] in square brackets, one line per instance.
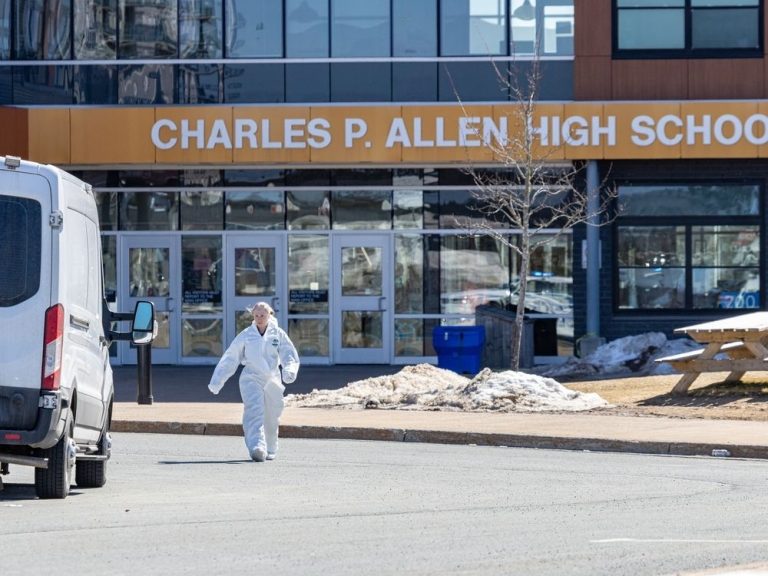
[472, 28]
[360, 29]
[254, 29]
[200, 29]
[306, 28]
[544, 28]
[701, 251]
[20, 249]
[42, 30]
[694, 28]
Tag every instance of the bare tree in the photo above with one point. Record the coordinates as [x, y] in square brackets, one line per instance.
[530, 191]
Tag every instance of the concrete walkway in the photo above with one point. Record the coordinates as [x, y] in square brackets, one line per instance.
[182, 404]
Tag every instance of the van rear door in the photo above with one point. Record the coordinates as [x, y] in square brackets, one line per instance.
[25, 293]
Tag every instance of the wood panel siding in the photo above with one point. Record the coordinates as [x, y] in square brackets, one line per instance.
[723, 79]
[593, 28]
[14, 137]
[592, 78]
[649, 80]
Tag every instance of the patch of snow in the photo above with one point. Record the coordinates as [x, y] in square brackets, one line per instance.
[426, 387]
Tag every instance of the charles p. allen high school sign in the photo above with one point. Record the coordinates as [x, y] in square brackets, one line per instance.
[382, 134]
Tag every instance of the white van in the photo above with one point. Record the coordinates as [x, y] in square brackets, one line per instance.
[55, 378]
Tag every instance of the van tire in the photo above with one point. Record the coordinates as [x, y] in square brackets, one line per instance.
[54, 481]
[93, 473]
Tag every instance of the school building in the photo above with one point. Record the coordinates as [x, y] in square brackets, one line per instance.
[314, 154]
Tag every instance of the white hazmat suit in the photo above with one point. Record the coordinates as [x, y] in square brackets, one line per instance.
[260, 386]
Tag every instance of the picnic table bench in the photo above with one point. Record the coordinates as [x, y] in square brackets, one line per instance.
[740, 339]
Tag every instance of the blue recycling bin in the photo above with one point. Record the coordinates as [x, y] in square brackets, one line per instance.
[459, 348]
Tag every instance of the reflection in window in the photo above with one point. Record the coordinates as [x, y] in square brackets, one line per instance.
[360, 29]
[689, 200]
[200, 29]
[414, 28]
[95, 30]
[550, 283]
[688, 25]
[306, 29]
[726, 262]
[361, 329]
[308, 274]
[5, 29]
[413, 337]
[145, 84]
[201, 84]
[201, 273]
[255, 210]
[644, 279]
[472, 28]
[462, 288]
[95, 84]
[409, 274]
[201, 338]
[42, 85]
[255, 270]
[254, 29]
[408, 209]
[148, 29]
[310, 336]
[202, 210]
[148, 211]
[362, 210]
[361, 273]
[43, 30]
[148, 272]
[106, 203]
[109, 258]
[545, 29]
[308, 209]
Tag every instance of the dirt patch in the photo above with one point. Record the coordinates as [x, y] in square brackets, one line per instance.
[709, 397]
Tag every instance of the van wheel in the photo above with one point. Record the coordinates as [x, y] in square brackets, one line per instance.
[93, 473]
[54, 481]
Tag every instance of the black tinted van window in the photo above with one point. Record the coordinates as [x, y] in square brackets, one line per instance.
[19, 249]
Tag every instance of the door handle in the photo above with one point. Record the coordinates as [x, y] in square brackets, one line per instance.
[169, 304]
[382, 299]
[276, 304]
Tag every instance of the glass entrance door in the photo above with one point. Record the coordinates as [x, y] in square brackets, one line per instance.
[362, 267]
[256, 270]
[151, 273]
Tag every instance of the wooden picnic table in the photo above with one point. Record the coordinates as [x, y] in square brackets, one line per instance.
[741, 339]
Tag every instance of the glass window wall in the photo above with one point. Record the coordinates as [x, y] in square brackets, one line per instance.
[308, 274]
[696, 27]
[306, 29]
[473, 28]
[360, 29]
[201, 29]
[414, 28]
[95, 30]
[254, 29]
[43, 30]
[148, 29]
[255, 210]
[148, 211]
[201, 272]
[5, 29]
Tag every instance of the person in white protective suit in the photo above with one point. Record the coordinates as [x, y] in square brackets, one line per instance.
[262, 348]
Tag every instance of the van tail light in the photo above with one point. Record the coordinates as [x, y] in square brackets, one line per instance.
[52, 344]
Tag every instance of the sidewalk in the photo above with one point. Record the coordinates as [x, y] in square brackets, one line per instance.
[183, 405]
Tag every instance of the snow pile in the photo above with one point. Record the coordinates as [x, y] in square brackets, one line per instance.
[426, 387]
[631, 355]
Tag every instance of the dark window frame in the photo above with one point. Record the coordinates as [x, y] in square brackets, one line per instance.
[688, 223]
[687, 52]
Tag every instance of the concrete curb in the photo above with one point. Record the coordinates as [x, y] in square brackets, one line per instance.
[451, 437]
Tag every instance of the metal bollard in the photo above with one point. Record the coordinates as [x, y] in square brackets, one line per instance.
[144, 364]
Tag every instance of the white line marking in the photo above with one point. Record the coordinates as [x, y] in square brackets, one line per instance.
[676, 541]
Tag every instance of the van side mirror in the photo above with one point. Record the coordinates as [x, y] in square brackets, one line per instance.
[143, 329]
